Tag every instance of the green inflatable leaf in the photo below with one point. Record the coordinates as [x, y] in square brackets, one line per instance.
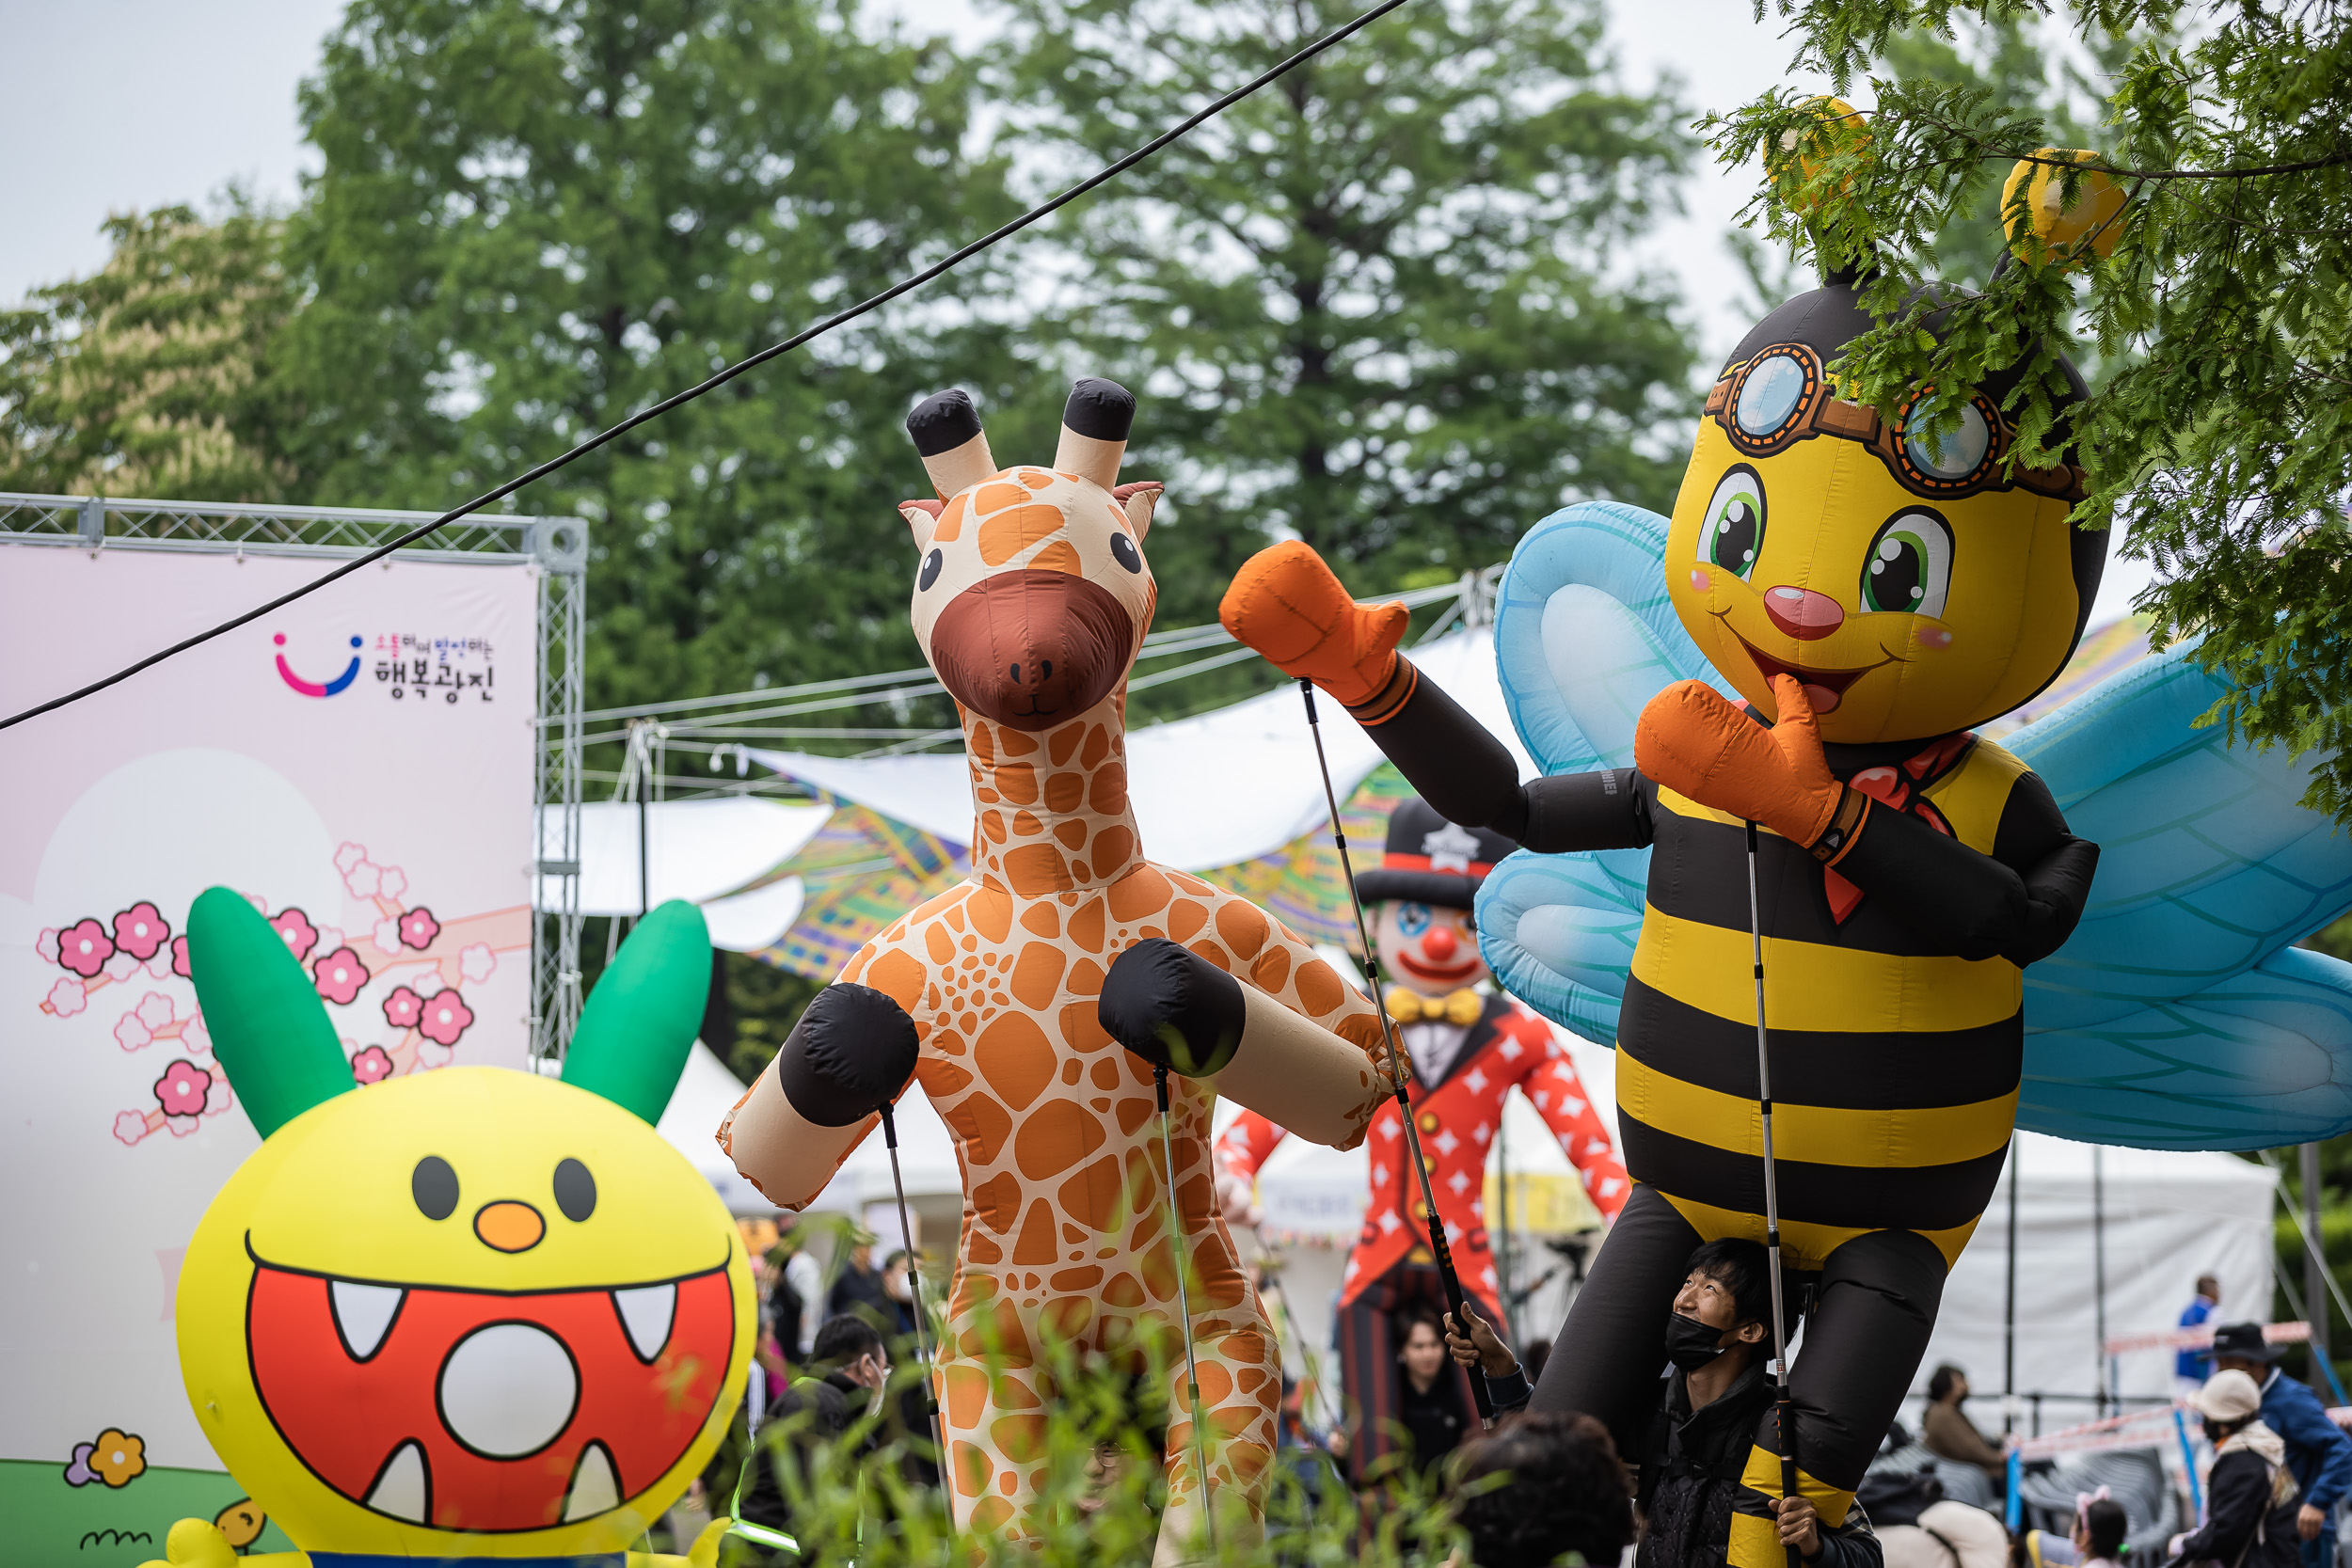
[641, 1019]
[270, 1030]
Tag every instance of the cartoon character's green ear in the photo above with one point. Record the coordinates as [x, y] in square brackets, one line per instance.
[270, 1030]
[641, 1019]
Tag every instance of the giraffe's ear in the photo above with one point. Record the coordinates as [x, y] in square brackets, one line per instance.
[1138, 500]
[922, 518]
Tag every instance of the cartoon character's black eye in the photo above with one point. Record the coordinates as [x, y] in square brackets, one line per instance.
[1123, 551]
[434, 1185]
[575, 1190]
[1733, 529]
[931, 564]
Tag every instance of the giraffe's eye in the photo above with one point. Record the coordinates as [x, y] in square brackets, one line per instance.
[931, 564]
[1123, 551]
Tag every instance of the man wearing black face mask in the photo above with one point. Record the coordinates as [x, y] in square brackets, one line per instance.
[1690, 1493]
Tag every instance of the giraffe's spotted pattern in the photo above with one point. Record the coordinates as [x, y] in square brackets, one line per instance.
[1066, 1217]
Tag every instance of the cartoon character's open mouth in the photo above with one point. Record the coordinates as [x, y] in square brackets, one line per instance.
[1823, 688]
[488, 1410]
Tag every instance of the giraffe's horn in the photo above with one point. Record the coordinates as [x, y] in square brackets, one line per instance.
[1094, 426]
[946, 430]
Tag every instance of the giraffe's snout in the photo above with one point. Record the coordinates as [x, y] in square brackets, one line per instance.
[1032, 648]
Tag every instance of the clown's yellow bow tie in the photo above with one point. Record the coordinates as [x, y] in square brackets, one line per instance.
[1410, 1006]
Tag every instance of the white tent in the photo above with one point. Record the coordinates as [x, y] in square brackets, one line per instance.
[703, 851]
[1184, 824]
[2168, 1218]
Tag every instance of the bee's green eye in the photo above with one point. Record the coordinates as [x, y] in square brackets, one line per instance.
[1733, 532]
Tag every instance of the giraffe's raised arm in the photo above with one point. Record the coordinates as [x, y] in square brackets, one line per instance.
[1176, 1009]
[851, 1052]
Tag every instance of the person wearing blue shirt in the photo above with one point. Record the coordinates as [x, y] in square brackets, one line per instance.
[2191, 1366]
[2319, 1455]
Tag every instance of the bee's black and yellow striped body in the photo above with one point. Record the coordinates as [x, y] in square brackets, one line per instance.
[1895, 1063]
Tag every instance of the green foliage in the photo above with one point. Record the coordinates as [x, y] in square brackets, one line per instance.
[2225, 438]
[1373, 305]
[534, 220]
[154, 375]
[1102, 1486]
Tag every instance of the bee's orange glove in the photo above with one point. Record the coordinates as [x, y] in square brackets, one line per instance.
[1285, 603]
[1694, 742]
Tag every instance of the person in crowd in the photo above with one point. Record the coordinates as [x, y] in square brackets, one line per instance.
[860, 1285]
[2252, 1499]
[2191, 1366]
[1563, 1490]
[1948, 1432]
[898, 1288]
[2318, 1454]
[2100, 1526]
[1691, 1492]
[1429, 1401]
[849, 1365]
[796, 1301]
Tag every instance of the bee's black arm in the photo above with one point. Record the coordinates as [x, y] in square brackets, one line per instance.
[2020, 902]
[1468, 777]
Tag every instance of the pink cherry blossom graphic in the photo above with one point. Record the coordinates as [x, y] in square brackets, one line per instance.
[446, 1016]
[339, 975]
[418, 928]
[293, 925]
[181, 1089]
[477, 962]
[387, 936]
[84, 947]
[430, 1055]
[194, 1035]
[132, 1033]
[181, 1126]
[179, 957]
[122, 966]
[348, 854]
[363, 878]
[392, 882]
[371, 1065]
[139, 930]
[46, 944]
[129, 1127]
[67, 997]
[218, 1097]
[404, 1008]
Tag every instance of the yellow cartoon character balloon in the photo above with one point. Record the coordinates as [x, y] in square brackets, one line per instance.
[467, 1315]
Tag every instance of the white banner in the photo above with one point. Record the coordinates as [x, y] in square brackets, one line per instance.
[360, 765]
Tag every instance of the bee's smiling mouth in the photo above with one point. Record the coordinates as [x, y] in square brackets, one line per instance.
[488, 1410]
[1823, 688]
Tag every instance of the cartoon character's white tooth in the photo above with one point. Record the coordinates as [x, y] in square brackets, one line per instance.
[404, 1490]
[364, 1313]
[647, 1312]
[595, 1488]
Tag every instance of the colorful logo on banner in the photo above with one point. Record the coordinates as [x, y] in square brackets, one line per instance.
[314, 689]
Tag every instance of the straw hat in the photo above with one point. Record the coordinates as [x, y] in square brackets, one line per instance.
[2228, 1396]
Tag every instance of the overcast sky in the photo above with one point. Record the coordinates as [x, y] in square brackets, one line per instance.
[122, 105]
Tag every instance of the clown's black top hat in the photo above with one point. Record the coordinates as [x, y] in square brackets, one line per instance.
[1431, 861]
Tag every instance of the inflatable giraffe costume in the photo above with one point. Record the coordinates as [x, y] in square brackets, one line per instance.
[1031, 600]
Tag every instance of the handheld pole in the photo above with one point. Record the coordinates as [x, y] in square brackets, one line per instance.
[1439, 1249]
[1183, 1305]
[1783, 1418]
[914, 1282]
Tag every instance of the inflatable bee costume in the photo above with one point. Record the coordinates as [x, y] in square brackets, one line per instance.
[1871, 590]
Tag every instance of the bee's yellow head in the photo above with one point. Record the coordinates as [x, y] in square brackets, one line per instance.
[1897, 572]
[472, 1312]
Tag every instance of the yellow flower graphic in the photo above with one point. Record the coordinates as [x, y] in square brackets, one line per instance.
[117, 1458]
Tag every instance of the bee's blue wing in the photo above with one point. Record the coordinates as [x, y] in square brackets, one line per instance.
[1584, 636]
[2177, 1016]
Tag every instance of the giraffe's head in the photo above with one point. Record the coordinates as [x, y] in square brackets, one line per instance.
[1031, 597]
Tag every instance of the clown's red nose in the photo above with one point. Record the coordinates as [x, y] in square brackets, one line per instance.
[1439, 943]
[1802, 613]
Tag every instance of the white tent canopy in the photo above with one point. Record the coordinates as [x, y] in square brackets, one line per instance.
[703, 851]
[1215, 789]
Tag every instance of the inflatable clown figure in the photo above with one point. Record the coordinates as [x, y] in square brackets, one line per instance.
[464, 1317]
[1469, 1050]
